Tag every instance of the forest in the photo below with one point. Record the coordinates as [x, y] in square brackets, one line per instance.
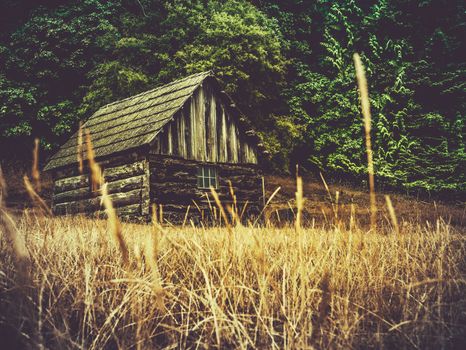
[287, 63]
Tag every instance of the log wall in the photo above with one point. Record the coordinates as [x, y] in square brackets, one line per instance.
[206, 130]
[128, 188]
[173, 183]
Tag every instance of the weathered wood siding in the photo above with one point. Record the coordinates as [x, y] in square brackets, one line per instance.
[173, 183]
[128, 188]
[205, 130]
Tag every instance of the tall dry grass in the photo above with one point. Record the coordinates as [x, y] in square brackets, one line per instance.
[366, 113]
[247, 288]
[35, 165]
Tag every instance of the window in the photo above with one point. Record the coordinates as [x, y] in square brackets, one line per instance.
[207, 177]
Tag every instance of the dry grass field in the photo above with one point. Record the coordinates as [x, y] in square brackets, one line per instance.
[238, 287]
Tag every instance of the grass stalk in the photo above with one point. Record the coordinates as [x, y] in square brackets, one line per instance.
[35, 165]
[112, 218]
[80, 149]
[299, 203]
[392, 213]
[366, 112]
[35, 197]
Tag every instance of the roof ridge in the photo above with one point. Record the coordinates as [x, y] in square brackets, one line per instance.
[206, 73]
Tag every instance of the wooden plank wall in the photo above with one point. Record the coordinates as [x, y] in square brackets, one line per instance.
[128, 187]
[173, 183]
[204, 131]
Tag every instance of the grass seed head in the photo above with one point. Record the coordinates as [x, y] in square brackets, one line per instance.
[299, 202]
[392, 213]
[36, 198]
[35, 165]
[366, 112]
[112, 218]
[80, 149]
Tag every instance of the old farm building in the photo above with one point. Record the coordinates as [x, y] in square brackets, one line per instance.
[165, 146]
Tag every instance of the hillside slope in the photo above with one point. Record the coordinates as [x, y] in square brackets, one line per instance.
[318, 205]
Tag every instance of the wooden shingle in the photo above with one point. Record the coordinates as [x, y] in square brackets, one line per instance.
[130, 123]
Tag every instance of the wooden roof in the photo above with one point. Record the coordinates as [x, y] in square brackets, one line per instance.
[130, 123]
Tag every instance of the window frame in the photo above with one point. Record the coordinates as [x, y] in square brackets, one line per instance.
[207, 176]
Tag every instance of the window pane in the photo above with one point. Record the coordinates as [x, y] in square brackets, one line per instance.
[207, 177]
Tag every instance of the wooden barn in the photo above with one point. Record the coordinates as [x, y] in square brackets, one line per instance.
[165, 146]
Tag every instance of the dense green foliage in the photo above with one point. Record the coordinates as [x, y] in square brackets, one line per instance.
[288, 63]
[414, 55]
